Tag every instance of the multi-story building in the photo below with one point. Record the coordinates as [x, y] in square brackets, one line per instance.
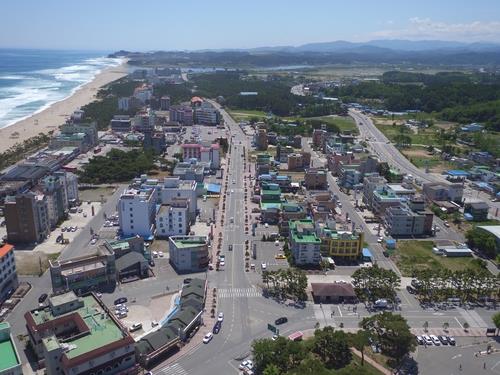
[261, 140]
[350, 176]
[165, 103]
[315, 179]
[444, 192]
[319, 138]
[173, 188]
[144, 121]
[289, 212]
[127, 104]
[207, 114]
[79, 335]
[341, 245]
[299, 161]
[188, 253]
[172, 219]
[26, 218]
[191, 170]
[70, 183]
[143, 93]
[304, 244]
[156, 141]
[89, 129]
[270, 193]
[8, 272]
[402, 222]
[370, 184]
[121, 123]
[85, 273]
[182, 114]
[384, 198]
[136, 210]
[10, 362]
[57, 201]
[478, 211]
[210, 154]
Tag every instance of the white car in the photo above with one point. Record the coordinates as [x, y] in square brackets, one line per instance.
[427, 339]
[222, 263]
[277, 243]
[155, 254]
[93, 241]
[220, 318]
[160, 254]
[380, 239]
[208, 337]
[263, 266]
[266, 225]
[435, 340]
[246, 364]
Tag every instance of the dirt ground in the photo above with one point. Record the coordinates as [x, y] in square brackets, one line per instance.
[32, 262]
[421, 153]
[95, 195]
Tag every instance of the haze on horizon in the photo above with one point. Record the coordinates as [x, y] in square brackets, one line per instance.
[190, 25]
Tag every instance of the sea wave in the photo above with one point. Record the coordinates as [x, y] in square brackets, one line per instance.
[30, 92]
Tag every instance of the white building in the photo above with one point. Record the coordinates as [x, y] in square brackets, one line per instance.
[172, 219]
[137, 212]
[143, 93]
[209, 154]
[207, 114]
[173, 188]
[123, 103]
[8, 272]
[70, 183]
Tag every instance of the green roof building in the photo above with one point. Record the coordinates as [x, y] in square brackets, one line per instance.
[79, 335]
[304, 244]
[10, 363]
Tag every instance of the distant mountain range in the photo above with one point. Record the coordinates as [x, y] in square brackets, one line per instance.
[394, 51]
[383, 44]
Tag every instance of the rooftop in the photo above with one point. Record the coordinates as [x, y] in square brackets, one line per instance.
[8, 353]
[97, 328]
[4, 249]
[184, 242]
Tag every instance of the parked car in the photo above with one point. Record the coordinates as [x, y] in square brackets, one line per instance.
[93, 241]
[263, 266]
[435, 340]
[281, 320]
[42, 298]
[246, 364]
[443, 339]
[216, 328]
[135, 327]
[220, 317]
[154, 323]
[121, 300]
[208, 337]
[451, 340]
[427, 339]
[420, 340]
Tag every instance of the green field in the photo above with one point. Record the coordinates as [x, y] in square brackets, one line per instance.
[345, 123]
[417, 255]
[245, 115]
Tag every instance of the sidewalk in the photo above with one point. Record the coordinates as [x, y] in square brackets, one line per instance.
[459, 332]
[378, 366]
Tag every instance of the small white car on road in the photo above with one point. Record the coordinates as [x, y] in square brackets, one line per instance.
[220, 318]
[208, 337]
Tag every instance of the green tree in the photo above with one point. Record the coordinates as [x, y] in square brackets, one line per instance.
[271, 369]
[393, 334]
[360, 340]
[332, 347]
[496, 320]
[372, 283]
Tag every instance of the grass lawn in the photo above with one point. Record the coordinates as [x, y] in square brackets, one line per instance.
[422, 137]
[417, 255]
[245, 115]
[355, 368]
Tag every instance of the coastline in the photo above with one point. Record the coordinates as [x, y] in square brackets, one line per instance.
[53, 116]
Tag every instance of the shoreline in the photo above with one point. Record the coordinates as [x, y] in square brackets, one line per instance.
[50, 118]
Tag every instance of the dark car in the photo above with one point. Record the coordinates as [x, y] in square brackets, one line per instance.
[410, 289]
[121, 300]
[217, 327]
[386, 254]
[42, 298]
[281, 320]
[443, 339]
[187, 280]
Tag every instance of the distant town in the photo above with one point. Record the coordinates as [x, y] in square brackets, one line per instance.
[178, 226]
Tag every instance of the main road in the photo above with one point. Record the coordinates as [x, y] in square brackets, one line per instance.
[386, 151]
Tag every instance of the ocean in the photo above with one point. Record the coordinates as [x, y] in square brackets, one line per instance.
[32, 80]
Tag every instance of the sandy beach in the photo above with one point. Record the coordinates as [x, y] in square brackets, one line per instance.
[55, 115]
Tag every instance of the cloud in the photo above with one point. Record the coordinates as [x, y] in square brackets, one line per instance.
[426, 28]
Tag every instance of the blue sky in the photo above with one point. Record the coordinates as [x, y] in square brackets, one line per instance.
[189, 24]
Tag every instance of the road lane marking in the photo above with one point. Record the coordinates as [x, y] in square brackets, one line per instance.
[460, 324]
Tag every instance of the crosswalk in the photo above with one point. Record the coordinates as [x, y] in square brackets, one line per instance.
[239, 293]
[473, 318]
[174, 369]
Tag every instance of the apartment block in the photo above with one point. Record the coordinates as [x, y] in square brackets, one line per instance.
[304, 244]
[136, 211]
[172, 219]
[404, 222]
[315, 179]
[8, 272]
[26, 218]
